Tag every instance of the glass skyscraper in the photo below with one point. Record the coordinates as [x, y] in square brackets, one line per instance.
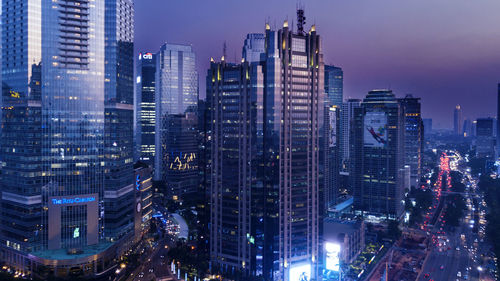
[267, 119]
[145, 107]
[334, 85]
[176, 98]
[66, 140]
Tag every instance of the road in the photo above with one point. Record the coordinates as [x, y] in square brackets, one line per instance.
[456, 254]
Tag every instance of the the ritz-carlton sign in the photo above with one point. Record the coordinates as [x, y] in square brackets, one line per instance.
[76, 200]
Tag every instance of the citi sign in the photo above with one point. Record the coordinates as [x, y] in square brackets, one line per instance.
[76, 200]
[146, 56]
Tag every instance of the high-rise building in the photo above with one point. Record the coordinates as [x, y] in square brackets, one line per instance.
[145, 108]
[485, 138]
[180, 141]
[176, 93]
[67, 176]
[378, 155]
[427, 126]
[265, 176]
[467, 130]
[332, 159]
[457, 120]
[347, 118]
[253, 47]
[413, 138]
[334, 85]
[118, 118]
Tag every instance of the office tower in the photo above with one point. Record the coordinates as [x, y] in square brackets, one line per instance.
[347, 118]
[118, 118]
[332, 163]
[253, 47]
[467, 130]
[145, 108]
[485, 138]
[180, 140]
[378, 155]
[67, 167]
[265, 148]
[176, 96]
[427, 126]
[457, 120]
[413, 138]
[334, 85]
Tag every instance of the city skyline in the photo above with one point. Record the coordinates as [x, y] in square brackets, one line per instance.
[425, 48]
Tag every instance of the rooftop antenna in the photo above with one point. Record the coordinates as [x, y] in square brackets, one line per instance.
[301, 19]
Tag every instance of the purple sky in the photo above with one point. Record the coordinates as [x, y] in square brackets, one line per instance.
[445, 51]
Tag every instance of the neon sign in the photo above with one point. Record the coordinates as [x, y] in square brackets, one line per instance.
[184, 162]
[138, 182]
[76, 200]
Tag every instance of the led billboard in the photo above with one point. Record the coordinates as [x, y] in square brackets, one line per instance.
[375, 129]
[300, 272]
[332, 259]
[332, 116]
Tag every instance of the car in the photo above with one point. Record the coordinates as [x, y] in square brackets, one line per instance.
[458, 249]
[441, 267]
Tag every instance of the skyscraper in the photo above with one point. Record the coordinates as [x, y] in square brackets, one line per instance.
[145, 107]
[66, 146]
[266, 121]
[498, 120]
[427, 126]
[347, 118]
[413, 137]
[485, 138]
[378, 155]
[176, 95]
[457, 120]
[334, 85]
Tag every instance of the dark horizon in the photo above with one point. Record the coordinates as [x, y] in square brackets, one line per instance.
[445, 54]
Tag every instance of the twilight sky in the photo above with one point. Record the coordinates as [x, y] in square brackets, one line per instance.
[445, 51]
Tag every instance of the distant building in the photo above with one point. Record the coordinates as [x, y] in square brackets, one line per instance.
[145, 108]
[414, 137]
[485, 138]
[457, 120]
[427, 126]
[498, 120]
[176, 93]
[332, 163]
[467, 130]
[334, 85]
[377, 153]
[347, 118]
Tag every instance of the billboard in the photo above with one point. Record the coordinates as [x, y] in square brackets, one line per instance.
[332, 260]
[300, 272]
[375, 129]
[332, 132]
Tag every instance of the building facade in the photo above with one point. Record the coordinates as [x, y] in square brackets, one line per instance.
[485, 138]
[378, 155]
[457, 120]
[253, 47]
[413, 138]
[265, 176]
[145, 108]
[176, 94]
[334, 85]
[65, 161]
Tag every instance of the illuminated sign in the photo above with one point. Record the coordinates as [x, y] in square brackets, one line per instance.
[147, 56]
[332, 261]
[183, 162]
[375, 131]
[300, 272]
[76, 200]
[138, 182]
[332, 116]
[76, 233]
[15, 94]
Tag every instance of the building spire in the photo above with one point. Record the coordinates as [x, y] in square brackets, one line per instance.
[301, 19]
